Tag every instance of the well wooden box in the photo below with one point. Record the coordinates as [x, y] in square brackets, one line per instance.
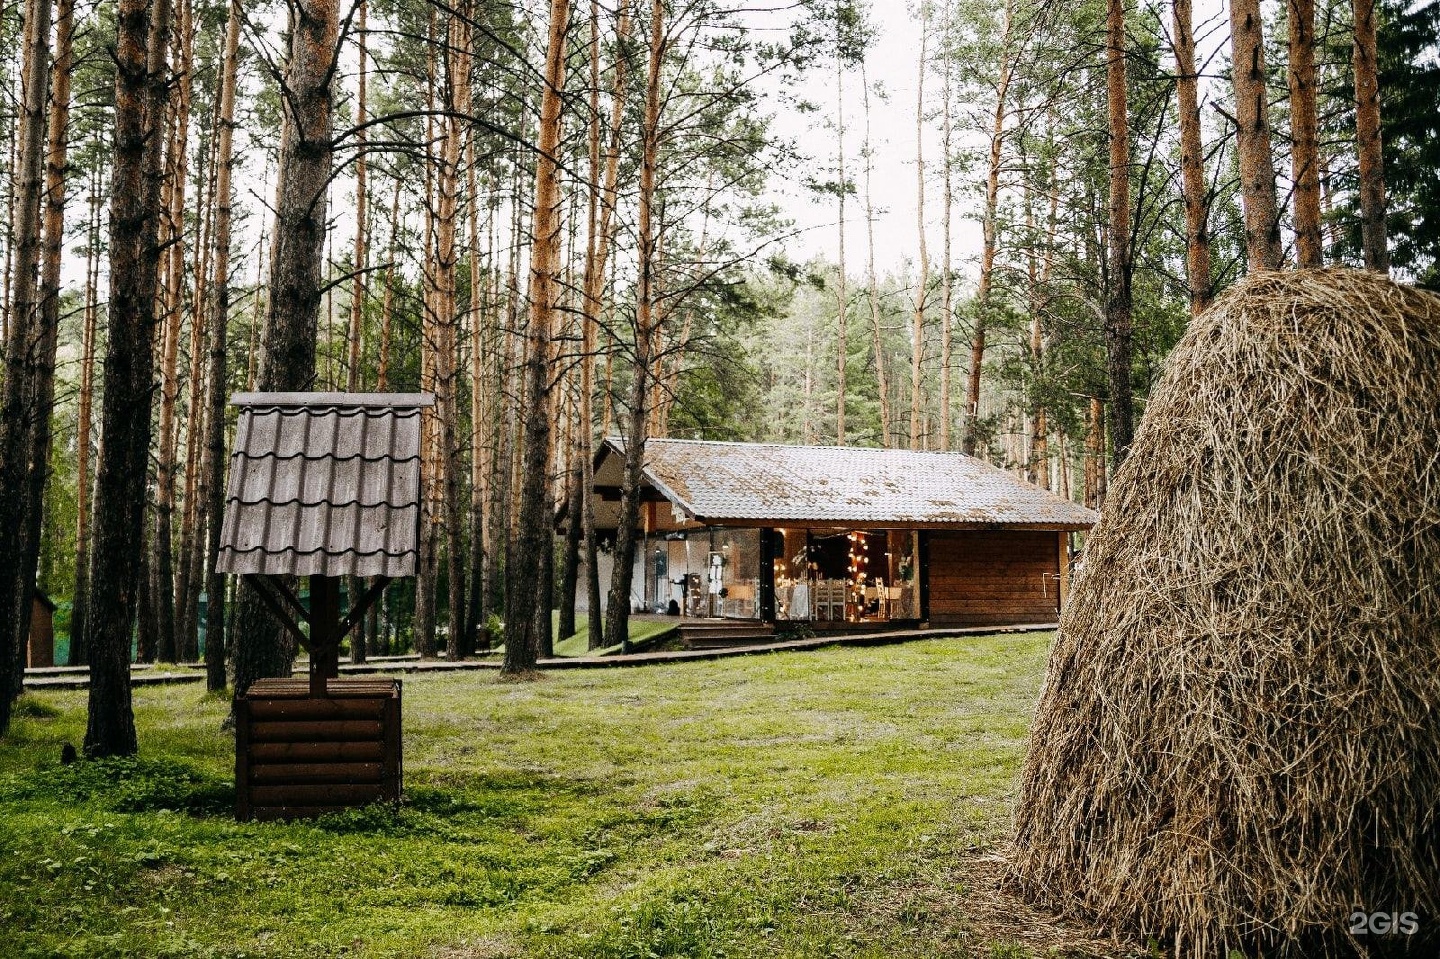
[299, 755]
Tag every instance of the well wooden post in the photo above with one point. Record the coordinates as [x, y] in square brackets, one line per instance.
[324, 632]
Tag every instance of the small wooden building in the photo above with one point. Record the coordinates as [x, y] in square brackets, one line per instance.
[41, 648]
[841, 535]
[322, 485]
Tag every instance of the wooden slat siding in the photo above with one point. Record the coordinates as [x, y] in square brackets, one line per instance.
[335, 794]
[314, 773]
[303, 756]
[317, 752]
[316, 709]
[326, 731]
[992, 578]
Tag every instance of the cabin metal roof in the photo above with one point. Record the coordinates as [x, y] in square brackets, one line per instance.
[324, 484]
[750, 484]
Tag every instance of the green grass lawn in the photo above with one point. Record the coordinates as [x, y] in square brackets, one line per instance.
[579, 644]
[816, 804]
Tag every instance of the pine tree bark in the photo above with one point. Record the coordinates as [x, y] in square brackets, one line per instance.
[429, 553]
[84, 429]
[602, 203]
[947, 272]
[21, 402]
[359, 287]
[1192, 160]
[140, 78]
[617, 613]
[1118, 302]
[842, 333]
[355, 337]
[173, 233]
[212, 469]
[1253, 149]
[882, 386]
[1305, 148]
[57, 152]
[447, 379]
[39, 323]
[524, 575]
[989, 229]
[922, 292]
[1367, 136]
[387, 301]
[287, 361]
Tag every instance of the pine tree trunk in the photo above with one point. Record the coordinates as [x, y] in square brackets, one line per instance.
[1094, 451]
[387, 302]
[354, 339]
[1367, 138]
[84, 430]
[192, 530]
[989, 228]
[842, 336]
[1117, 303]
[1305, 151]
[355, 334]
[429, 558]
[1192, 161]
[287, 361]
[922, 292]
[947, 266]
[524, 571]
[22, 404]
[51, 261]
[173, 234]
[480, 405]
[212, 466]
[141, 32]
[1257, 165]
[458, 91]
[882, 387]
[605, 198]
[629, 528]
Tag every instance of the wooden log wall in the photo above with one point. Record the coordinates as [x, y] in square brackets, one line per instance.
[298, 755]
[994, 578]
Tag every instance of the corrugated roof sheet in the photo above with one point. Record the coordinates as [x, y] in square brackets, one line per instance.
[726, 482]
[324, 484]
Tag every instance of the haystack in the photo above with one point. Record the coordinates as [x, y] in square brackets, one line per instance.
[1238, 742]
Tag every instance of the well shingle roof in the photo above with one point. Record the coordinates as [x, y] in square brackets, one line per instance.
[324, 484]
[722, 483]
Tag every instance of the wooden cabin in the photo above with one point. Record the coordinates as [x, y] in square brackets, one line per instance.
[41, 648]
[839, 537]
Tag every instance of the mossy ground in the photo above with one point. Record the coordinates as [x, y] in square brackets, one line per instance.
[814, 804]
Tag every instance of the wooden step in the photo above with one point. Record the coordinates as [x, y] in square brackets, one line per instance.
[727, 635]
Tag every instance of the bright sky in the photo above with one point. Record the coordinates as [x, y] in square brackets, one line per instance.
[892, 64]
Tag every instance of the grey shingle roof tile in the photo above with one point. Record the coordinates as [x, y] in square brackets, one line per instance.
[324, 484]
[720, 482]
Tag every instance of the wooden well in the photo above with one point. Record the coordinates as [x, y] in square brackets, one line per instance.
[299, 755]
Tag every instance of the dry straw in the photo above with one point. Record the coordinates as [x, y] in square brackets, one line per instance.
[1237, 745]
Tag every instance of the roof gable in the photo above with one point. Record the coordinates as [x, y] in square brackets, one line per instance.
[722, 483]
[324, 484]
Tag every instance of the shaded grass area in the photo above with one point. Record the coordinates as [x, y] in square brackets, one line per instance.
[579, 644]
[797, 805]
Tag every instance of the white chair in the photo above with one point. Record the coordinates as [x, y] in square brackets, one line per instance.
[832, 599]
